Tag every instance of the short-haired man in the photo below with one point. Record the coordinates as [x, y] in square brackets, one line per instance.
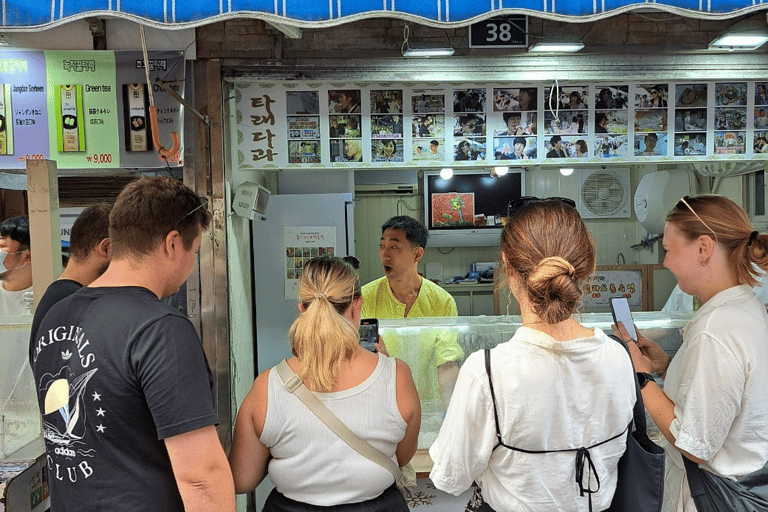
[123, 384]
[435, 152]
[557, 147]
[15, 267]
[403, 293]
[88, 259]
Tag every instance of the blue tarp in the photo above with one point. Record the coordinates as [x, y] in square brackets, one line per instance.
[313, 13]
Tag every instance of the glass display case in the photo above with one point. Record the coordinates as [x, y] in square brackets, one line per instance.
[19, 414]
[476, 333]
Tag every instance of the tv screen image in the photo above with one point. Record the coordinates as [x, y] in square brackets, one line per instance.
[470, 208]
[453, 210]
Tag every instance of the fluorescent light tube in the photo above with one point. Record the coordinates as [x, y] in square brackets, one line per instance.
[428, 52]
[744, 41]
[556, 47]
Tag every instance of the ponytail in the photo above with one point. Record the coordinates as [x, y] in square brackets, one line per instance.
[321, 337]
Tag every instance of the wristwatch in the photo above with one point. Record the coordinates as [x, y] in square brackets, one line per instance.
[644, 378]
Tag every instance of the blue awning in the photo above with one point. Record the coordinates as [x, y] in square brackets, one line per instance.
[170, 14]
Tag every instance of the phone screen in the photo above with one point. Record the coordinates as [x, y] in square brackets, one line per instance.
[369, 333]
[622, 313]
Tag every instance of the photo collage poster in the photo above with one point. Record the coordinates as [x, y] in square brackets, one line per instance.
[731, 118]
[301, 245]
[469, 124]
[760, 143]
[345, 125]
[611, 121]
[428, 125]
[387, 125]
[566, 121]
[690, 119]
[364, 125]
[303, 108]
[514, 135]
[651, 117]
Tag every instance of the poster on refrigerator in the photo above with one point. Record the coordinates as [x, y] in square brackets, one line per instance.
[301, 245]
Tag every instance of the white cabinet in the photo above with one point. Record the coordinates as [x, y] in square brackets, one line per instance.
[472, 299]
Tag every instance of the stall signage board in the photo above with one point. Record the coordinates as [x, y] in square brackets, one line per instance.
[86, 109]
[604, 284]
[500, 32]
[284, 125]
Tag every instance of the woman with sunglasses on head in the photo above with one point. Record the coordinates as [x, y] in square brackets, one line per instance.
[713, 408]
[545, 428]
[312, 468]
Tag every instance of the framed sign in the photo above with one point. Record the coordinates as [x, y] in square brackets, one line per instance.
[500, 32]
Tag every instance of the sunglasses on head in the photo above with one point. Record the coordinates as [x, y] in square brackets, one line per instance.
[203, 204]
[684, 201]
[518, 204]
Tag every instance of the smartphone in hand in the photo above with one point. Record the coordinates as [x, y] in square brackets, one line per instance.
[369, 333]
[621, 313]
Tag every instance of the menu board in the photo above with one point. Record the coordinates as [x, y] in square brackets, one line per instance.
[326, 125]
[604, 284]
[87, 109]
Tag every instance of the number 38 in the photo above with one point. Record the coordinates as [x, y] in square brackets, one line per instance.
[500, 32]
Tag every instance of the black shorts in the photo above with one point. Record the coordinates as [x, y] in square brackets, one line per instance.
[388, 501]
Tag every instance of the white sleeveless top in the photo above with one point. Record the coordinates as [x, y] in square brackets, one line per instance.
[312, 464]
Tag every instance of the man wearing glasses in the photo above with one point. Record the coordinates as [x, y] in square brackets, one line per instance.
[123, 384]
[15, 267]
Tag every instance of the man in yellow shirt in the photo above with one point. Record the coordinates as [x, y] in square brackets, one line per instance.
[433, 355]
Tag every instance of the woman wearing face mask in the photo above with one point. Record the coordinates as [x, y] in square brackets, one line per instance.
[15, 267]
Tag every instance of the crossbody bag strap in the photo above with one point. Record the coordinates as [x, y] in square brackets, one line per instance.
[638, 412]
[294, 384]
[493, 397]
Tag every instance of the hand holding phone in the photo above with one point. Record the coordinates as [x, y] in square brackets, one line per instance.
[369, 333]
[621, 313]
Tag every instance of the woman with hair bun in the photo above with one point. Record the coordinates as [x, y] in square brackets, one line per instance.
[713, 408]
[372, 394]
[544, 429]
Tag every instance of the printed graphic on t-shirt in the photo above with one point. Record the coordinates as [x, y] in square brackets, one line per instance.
[69, 403]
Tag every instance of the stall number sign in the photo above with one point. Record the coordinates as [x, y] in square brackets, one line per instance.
[500, 32]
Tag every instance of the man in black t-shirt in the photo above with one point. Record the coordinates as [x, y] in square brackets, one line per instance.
[123, 384]
[557, 147]
[88, 259]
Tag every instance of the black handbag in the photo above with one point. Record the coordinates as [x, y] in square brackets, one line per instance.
[714, 493]
[640, 484]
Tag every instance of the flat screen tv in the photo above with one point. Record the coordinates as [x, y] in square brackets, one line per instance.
[469, 209]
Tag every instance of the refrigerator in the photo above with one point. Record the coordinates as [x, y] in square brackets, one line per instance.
[310, 216]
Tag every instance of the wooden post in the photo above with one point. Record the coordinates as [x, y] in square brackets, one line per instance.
[44, 229]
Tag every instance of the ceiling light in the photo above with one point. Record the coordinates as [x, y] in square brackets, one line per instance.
[556, 47]
[500, 171]
[739, 41]
[566, 171]
[428, 52]
[446, 173]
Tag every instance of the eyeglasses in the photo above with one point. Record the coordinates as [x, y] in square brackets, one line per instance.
[518, 204]
[683, 200]
[203, 204]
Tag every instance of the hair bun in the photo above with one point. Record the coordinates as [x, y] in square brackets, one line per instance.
[554, 266]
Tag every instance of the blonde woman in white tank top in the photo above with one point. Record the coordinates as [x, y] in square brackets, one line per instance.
[372, 394]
